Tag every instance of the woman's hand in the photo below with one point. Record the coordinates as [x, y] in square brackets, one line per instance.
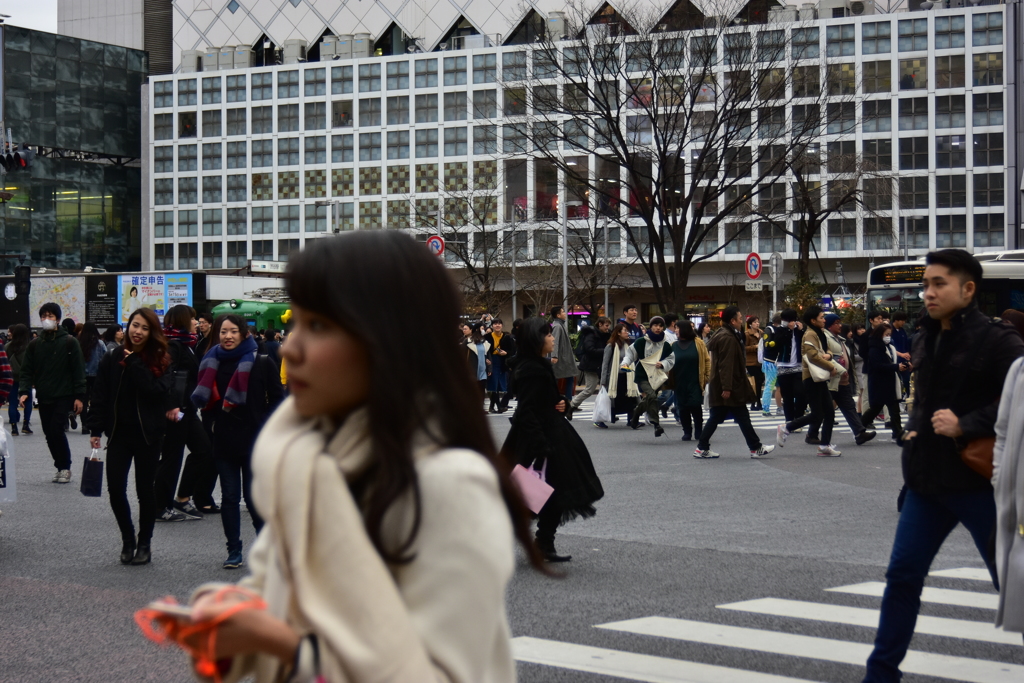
[94, 442]
[172, 414]
[659, 366]
[826, 356]
[946, 423]
[560, 406]
[249, 631]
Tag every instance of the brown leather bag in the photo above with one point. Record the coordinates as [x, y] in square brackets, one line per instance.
[978, 455]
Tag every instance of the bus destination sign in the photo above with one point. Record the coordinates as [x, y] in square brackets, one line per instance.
[901, 274]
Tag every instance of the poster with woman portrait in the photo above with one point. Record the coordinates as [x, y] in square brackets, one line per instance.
[141, 291]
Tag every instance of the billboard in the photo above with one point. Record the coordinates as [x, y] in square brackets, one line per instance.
[66, 292]
[155, 291]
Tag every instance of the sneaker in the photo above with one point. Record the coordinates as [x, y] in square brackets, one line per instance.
[658, 431]
[63, 477]
[212, 509]
[706, 454]
[56, 477]
[188, 508]
[171, 515]
[767, 413]
[829, 451]
[781, 434]
[234, 560]
[813, 440]
[864, 437]
[779, 412]
[762, 451]
[602, 425]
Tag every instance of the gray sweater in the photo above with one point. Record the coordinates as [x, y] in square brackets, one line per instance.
[566, 365]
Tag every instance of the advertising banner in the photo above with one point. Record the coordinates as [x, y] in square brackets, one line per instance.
[66, 292]
[141, 291]
[179, 289]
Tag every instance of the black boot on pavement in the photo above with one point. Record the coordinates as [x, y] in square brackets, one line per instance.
[14, 429]
[128, 550]
[142, 554]
[547, 548]
[493, 408]
[25, 429]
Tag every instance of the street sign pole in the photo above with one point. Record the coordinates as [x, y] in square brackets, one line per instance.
[776, 263]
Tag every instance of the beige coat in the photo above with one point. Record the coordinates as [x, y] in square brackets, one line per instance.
[813, 353]
[439, 618]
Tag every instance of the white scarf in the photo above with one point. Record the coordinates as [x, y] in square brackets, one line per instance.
[632, 390]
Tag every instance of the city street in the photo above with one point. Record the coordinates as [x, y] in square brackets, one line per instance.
[731, 570]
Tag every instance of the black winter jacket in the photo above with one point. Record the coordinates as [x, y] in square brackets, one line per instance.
[183, 360]
[129, 391]
[962, 369]
[592, 343]
[264, 395]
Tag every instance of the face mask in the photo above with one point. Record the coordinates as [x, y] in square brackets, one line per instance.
[887, 340]
[49, 325]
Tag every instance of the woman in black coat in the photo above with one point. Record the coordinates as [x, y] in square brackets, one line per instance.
[883, 368]
[541, 436]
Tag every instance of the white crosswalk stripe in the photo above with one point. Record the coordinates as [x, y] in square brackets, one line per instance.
[641, 667]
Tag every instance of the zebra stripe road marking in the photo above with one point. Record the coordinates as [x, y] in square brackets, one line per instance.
[939, 596]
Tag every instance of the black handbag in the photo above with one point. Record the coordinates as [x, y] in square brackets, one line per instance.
[3, 472]
[92, 476]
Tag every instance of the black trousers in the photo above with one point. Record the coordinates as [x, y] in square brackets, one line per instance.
[894, 416]
[822, 416]
[717, 415]
[757, 373]
[548, 519]
[53, 417]
[692, 419]
[189, 432]
[848, 407]
[793, 400]
[120, 456]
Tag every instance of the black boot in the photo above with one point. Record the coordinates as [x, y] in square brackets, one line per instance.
[687, 435]
[503, 402]
[127, 550]
[142, 554]
[547, 549]
[494, 400]
[25, 428]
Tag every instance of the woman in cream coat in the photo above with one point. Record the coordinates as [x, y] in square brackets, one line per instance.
[387, 546]
[1008, 482]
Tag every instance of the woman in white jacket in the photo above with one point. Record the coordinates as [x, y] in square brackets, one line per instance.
[1008, 484]
[389, 523]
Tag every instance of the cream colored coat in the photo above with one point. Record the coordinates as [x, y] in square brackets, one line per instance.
[439, 618]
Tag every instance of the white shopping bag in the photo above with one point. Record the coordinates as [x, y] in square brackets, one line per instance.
[603, 406]
[8, 482]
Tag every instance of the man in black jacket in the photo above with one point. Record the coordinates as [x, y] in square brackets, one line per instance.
[591, 343]
[958, 346]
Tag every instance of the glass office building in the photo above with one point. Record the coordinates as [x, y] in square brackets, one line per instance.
[77, 104]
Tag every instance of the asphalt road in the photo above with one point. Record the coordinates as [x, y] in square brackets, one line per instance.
[675, 538]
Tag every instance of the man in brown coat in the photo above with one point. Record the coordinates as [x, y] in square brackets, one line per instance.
[730, 389]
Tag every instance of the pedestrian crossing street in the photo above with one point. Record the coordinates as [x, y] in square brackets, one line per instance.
[655, 669]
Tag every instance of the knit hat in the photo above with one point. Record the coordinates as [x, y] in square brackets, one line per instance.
[657, 320]
[831, 319]
[50, 307]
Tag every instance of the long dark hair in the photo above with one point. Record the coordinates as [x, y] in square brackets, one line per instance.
[20, 338]
[110, 334]
[154, 351]
[89, 338]
[614, 339]
[357, 279]
[532, 335]
[179, 317]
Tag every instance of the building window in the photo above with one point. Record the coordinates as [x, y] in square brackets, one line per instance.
[287, 118]
[163, 159]
[342, 148]
[341, 80]
[950, 151]
[914, 153]
[213, 220]
[877, 116]
[913, 35]
[842, 234]
[426, 73]
[262, 153]
[736, 50]
[950, 111]
[988, 149]
[878, 234]
[806, 119]
[805, 43]
[987, 29]
[288, 218]
[398, 180]
[485, 104]
[341, 114]
[454, 70]
[988, 189]
[914, 192]
[369, 146]
[398, 75]
[287, 84]
[163, 224]
[316, 218]
[315, 82]
[876, 38]
[914, 114]
[212, 123]
[163, 127]
[237, 154]
[163, 94]
[236, 122]
[513, 66]
[212, 189]
[842, 117]
[398, 144]
[426, 109]
[515, 101]
[839, 40]
[211, 92]
[212, 156]
[455, 142]
[485, 139]
[988, 109]
[988, 230]
[186, 92]
[238, 254]
[262, 120]
[949, 32]
[187, 124]
[236, 88]
[187, 157]
[316, 149]
[188, 223]
[951, 191]
[878, 194]
[163, 257]
[740, 238]
[950, 231]
[455, 106]
[262, 186]
[514, 137]
[806, 82]
[369, 215]
[288, 185]
[877, 77]
[316, 183]
[485, 68]
[988, 69]
[238, 221]
[262, 86]
[262, 220]
[913, 73]
[398, 110]
[263, 250]
[878, 154]
[369, 111]
[288, 151]
[545, 61]
[369, 78]
[238, 188]
[426, 143]
[950, 71]
[212, 255]
[316, 115]
[842, 79]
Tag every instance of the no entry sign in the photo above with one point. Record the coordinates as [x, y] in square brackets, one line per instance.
[753, 266]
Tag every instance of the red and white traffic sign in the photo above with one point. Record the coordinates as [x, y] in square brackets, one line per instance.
[436, 244]
[753, 266]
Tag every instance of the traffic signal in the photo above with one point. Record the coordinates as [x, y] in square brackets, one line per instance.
[17, 160]
[23, 279]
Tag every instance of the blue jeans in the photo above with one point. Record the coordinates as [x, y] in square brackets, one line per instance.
[12, 408]
[924, 524]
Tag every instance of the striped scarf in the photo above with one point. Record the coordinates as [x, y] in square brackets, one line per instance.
[207, 395]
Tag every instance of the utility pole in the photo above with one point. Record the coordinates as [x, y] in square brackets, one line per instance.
[514, 247]
[607, 285]
[565, 253]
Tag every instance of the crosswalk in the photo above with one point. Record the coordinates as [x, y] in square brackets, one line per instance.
[658, 669]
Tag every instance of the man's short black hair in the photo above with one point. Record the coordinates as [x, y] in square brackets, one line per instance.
[627, 307]
[729, 314]
[789, 315]
[899, 315]
[50, 307]
[496, 321]
[876, 314]
[811, 313]
[961, 264]
[208, 317]
[555, 310]
[670, 318]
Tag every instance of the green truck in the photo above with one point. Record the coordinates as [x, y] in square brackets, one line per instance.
[264, 309]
